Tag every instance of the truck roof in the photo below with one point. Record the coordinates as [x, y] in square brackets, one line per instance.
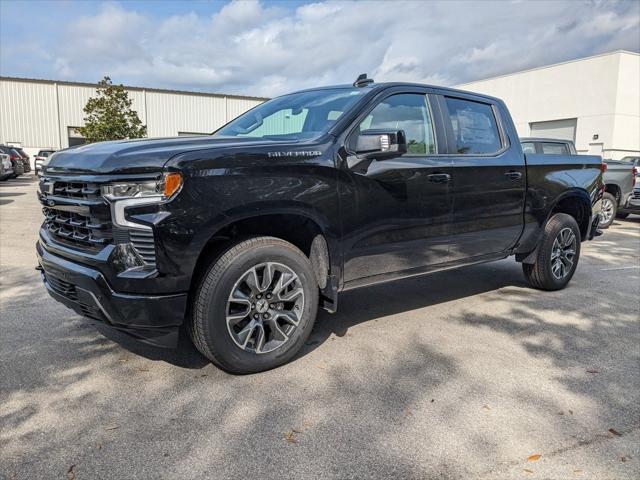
[383, 85]
[544, 139]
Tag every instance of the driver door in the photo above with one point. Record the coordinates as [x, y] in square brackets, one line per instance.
[396, 212]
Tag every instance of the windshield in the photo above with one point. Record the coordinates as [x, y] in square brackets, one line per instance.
[299, 116]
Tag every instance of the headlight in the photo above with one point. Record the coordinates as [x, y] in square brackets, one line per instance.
[162, 189]
[123, 195]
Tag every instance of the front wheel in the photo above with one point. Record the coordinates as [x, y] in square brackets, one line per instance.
[557, 256]
[255, 307]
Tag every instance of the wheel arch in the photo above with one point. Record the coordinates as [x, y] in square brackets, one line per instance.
[296, 227]
[576, 203]
[614, 190]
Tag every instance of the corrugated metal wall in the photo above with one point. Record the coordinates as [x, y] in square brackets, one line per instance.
[28, 114]
[170, 114]
[38, 114]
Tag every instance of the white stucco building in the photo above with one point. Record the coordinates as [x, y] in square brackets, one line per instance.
[594, 101]
[44, 114]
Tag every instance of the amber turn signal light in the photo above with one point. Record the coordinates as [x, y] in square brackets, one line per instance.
[172, 184]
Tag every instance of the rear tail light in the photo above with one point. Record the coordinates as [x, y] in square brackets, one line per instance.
[634, 172]
[604, 167]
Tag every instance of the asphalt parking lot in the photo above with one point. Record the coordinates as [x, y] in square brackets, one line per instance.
[461, 374]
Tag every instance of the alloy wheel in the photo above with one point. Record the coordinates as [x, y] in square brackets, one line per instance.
[607, 212]
[563, 253]
[265, 307]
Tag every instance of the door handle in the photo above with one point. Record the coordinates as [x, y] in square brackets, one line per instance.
[439, 178]
[513, 175]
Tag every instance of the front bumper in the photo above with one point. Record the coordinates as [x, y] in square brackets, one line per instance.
[153, 319]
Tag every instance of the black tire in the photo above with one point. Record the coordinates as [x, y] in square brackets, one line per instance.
[208, 324]
[540, 274]
[622, 215]
[608, 197]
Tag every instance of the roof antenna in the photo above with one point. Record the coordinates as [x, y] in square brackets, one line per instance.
[362, 80]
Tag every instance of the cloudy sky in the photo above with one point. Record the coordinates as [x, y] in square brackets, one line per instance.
[267, 48]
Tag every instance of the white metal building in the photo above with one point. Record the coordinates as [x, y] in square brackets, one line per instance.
[594, 101]
[41, 114]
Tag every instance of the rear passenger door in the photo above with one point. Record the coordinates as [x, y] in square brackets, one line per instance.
[488, 184]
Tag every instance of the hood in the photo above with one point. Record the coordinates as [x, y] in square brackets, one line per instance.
[135, 156]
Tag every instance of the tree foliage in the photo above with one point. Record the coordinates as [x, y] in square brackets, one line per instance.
[109, 116]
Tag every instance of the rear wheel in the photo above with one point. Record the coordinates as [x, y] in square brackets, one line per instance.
[609, 210]
[255, 307]
[557, 256]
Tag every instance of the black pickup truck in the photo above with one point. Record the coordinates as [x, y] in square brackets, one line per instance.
[242, 234]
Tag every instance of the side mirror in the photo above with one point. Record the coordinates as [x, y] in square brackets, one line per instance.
[381, 144]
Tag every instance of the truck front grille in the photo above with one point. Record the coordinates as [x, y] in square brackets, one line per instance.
[75, 214]
[78, 230]
[636, 194]
[79, 190]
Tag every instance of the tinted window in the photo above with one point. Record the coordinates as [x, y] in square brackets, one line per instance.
[529, 147]
[408, 112]
[474, 126]
[554, 148]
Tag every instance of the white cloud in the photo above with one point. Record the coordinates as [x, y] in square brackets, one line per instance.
[258, 49]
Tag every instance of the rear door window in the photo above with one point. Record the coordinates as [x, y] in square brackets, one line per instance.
[550, 148]
[528, 147]
[474, 125]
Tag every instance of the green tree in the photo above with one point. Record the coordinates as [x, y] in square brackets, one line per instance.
[109, 115]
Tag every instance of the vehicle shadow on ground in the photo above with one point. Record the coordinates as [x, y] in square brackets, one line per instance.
[379, 301]
[358, 306]
[19, 182]
[11, 194]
